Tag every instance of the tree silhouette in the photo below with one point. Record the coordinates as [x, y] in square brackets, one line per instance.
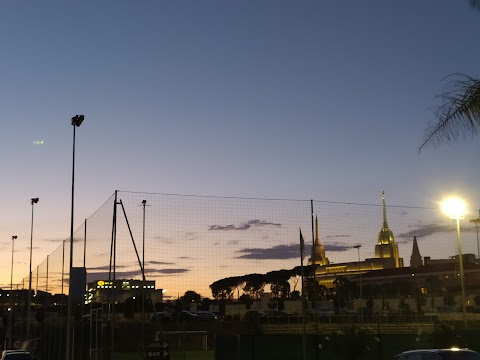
[254, 284]
[190, 296]
[459, 112]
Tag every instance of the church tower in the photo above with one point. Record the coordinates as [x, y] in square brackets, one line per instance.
[415, 258]
[318, 250]
[386, 247]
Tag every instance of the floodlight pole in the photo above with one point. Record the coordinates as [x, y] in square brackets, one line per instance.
[360, 276]
[76, 122]
[12, 303]
[29, 302]
[476, 221]
[144, 203]
[460, 260]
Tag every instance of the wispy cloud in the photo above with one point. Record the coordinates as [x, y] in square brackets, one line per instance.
[276, 252]
[244, 226]
[336, 236]
[164, 240]
[154, 262]
[92, 276]
[33, 248]
[172, 271]
[105, 267]
[338, 246]
[58, 240]
[425, 230]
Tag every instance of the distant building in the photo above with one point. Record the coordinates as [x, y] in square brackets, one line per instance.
[120, 290]
[386, 256]
[386, 248]
[415, 258]
[435, 278]
[439, 278]
[17, 296]
[467, 259]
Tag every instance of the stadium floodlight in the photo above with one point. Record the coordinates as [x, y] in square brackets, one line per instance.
[77, 120]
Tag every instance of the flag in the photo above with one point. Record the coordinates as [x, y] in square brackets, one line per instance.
[302, 244]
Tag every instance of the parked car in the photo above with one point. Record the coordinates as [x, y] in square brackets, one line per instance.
[16, 355]
[184, 315]
[439, 354]
[206, 315]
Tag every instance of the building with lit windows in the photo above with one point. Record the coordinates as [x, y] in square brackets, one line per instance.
[119, 290]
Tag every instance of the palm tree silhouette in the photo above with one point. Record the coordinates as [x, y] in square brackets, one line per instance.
[459, 112]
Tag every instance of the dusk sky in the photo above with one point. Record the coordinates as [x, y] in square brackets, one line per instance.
[281, 99]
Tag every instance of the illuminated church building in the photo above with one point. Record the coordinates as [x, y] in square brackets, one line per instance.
[386, 256]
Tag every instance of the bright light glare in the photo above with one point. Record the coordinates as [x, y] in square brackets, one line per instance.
[454, 208]
[455, 349]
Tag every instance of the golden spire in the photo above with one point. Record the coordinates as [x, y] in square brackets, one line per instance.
[385, 225]
[317, 239]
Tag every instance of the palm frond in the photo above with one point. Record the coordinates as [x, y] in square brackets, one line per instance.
[475, 4]
[459, 113]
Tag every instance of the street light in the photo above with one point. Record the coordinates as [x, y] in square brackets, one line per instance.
[76, 122]
[455, 209]
[12, 304]
[144, 203]
[360, 276]
[33, 201]
[476, 221]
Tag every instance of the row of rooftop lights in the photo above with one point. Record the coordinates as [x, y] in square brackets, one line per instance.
[132, 287]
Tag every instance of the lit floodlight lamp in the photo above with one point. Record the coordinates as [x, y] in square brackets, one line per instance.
[77, 120]
[454, 208]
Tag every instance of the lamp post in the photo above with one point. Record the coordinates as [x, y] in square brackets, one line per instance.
[476, 221]
[360, 276]
[455, 209]
[33, 201]
[76, 122]
[144, 203]
[12, 303]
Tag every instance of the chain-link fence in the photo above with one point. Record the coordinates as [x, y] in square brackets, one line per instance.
[191, 246]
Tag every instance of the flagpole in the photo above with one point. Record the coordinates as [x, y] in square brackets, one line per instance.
[302, 250]
[314, 265]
